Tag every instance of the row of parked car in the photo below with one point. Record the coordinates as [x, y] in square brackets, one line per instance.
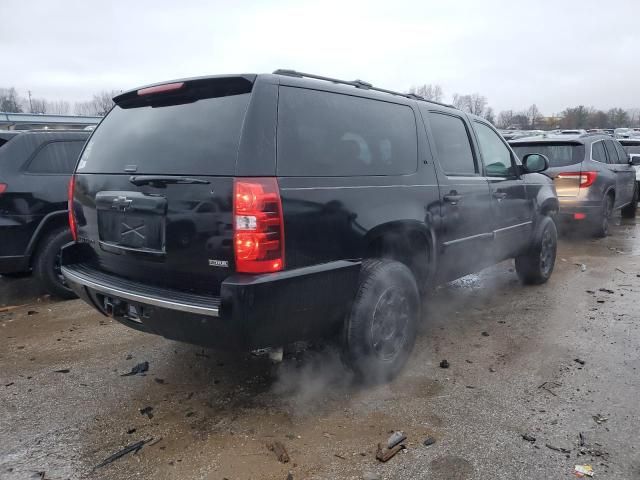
[293, 207]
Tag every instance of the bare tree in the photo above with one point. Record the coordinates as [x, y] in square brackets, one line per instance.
[9, 101]
[505, 118]
[38, 106]
[102, 102]
[489, 115]
[428, 92]
[473, 103]
[58, 107]
[534, 116]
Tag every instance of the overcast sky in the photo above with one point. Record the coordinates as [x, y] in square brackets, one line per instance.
[552, 53]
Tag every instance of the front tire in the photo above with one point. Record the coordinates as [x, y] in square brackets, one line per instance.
[381, 328]
[47, 264]
[536, 266]
[630, 210]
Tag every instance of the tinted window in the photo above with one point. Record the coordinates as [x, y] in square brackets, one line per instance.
[632, 148]
[559, 154]
[611, 150]
[495, 154]
[199, 138]
[328, 134]
[56, 157]
[452, 143]
[623, 157]
[598, 152]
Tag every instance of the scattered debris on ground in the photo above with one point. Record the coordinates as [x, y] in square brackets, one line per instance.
[134, 447]
[599, 419]
[139, 368]
[429, 441]
[557, 449]
[280, 451]
[485, 334]
[393, 446]
[583, 267]
[549, 386]
[529, 438]
[11, 307]
[606, 290]
[147, 411]
[580, 361]
[621, 271]
[62, 370]
[395, 439]
[444, 364]
[583, 470]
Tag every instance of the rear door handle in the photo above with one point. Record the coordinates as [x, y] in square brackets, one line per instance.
[452, 199]
[499, 195]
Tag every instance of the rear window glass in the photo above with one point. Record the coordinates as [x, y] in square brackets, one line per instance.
[453, 144]
[199, 138]
[559, 154]
[611, 150]
[632, 148]
[56, 157]
[328, 134]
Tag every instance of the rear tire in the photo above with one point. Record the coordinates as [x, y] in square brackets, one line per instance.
[601, 228]
[630, 210]
[47, 264]
[381, 329]
[536, 266]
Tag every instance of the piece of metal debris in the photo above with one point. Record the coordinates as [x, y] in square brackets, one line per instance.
[139, 368]
[549, 386]
[620, 270]
[529, 438]
[606, 290]
[62, 370]
[395, 439]
[583, 470]
[444, 364]
[280, 451]
[134, 447]
[599, 419]
[580, 361]
[581, 439]
[583, 267]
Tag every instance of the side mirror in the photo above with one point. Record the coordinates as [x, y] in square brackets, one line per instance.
[634, 159]
[535, 163]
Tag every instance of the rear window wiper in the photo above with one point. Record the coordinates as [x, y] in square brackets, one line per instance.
[163, 180]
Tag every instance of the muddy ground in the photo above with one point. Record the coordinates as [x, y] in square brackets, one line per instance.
[512, 350]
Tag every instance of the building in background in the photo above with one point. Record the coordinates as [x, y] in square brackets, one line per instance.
[30, 121]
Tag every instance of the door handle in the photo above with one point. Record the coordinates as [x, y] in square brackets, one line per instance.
[499, 195]
[452, 199]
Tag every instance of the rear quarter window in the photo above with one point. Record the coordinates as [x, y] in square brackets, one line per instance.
[58, 157]
[559, 154]
[328, 134]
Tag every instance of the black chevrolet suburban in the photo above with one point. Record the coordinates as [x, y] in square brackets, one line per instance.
[35, 167]
[253, 211]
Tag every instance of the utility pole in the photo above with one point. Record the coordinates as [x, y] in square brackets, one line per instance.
[30, 106]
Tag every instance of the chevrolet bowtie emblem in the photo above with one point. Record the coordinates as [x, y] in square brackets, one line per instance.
[121, 203]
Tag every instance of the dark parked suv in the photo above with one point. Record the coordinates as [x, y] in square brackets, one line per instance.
[35, 168]
[593, 176]
[259, 210]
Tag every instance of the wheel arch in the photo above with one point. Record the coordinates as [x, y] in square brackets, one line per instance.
[52, 221]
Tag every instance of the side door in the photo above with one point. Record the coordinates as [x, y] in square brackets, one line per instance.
[466, 238]
[512, 210]
[626, 174]
[619, 177]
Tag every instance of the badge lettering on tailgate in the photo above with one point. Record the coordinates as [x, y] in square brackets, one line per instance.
[218, 263]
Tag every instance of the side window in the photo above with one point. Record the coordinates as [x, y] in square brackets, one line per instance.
[611, 151]
[495, 154]
[56, 157]
[598, 153]
[332, 135]
[453, 145]
[623, 156]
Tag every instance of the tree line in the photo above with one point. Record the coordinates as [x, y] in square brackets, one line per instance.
[12, 102]
[532, 118]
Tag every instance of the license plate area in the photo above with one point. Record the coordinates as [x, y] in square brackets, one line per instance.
[131, 221]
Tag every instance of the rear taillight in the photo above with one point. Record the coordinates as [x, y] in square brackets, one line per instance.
[3, 187]
[72, 219]
[585, 179]
[258, 236]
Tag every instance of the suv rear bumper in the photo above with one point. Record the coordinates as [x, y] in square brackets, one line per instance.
[570, 206]
[253, 311]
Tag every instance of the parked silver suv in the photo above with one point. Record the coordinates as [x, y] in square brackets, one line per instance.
[592, 173]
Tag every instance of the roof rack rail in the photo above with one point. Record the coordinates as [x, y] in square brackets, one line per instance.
[355, 83]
